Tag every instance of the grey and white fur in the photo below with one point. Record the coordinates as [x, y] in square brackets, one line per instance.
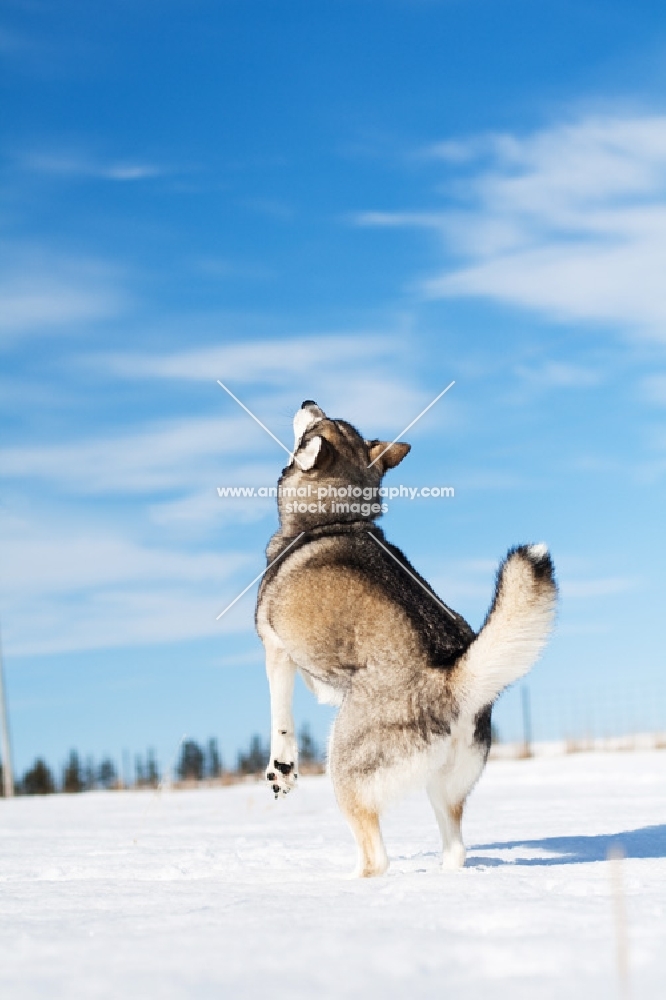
[414, 684]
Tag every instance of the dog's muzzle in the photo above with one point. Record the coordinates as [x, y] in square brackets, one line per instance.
[308, 415]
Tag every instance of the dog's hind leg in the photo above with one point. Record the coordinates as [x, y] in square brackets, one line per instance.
[349, 768]
[364, 823]
[448, 810]
[282, 770]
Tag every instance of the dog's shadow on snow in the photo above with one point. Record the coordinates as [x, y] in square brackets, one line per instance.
[647, 842]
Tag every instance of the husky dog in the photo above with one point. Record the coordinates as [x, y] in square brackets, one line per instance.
[415, 685]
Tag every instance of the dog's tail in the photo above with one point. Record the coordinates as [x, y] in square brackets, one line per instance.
[515, 630]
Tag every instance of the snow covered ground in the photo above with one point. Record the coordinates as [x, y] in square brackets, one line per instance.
[225, 893]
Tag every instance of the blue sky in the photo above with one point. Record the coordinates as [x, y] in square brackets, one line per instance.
[355, 202]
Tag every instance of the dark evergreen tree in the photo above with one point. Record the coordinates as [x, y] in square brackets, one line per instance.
[72, 779]
[191, 763]
[106, 774]
[38, 780]
[139, 772]
[308, 751]
[255, 760]
[214, 761]
[152, 770]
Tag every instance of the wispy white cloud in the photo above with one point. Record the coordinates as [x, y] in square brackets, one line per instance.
[560, 375]
[349, 375]
[190, 454]
[470, 583]
[66, 559]
[67, 587]
[492, 480]
[569, 221]
[466, 584]
[657, 438]
[353, 377]
[601, 587]
[17, 393]
[653, 389]
[399, 220]
[41, 291]
[68, 164]
[267, 361]
[161, 457]
[122, 616]
[142, 578]
[105, 579]
[225, 268]
[271, 208]
[198, 511]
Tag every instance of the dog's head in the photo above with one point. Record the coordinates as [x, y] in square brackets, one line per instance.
[334, 473]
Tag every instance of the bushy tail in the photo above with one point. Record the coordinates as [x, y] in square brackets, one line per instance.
[515, 630]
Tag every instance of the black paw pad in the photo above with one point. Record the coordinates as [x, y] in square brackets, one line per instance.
[283, 768]
[270, 776]
[276, 789]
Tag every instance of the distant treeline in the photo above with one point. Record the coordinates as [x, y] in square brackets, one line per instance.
[194, 763]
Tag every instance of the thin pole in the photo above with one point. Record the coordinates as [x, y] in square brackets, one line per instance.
[7, 772]
[615, 859]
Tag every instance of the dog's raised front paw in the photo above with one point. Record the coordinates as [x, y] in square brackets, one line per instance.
[281, 776]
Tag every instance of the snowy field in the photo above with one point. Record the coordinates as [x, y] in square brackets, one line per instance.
[225, 893]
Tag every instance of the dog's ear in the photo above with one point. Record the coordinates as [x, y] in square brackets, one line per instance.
[313, 454]
[386, 455]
